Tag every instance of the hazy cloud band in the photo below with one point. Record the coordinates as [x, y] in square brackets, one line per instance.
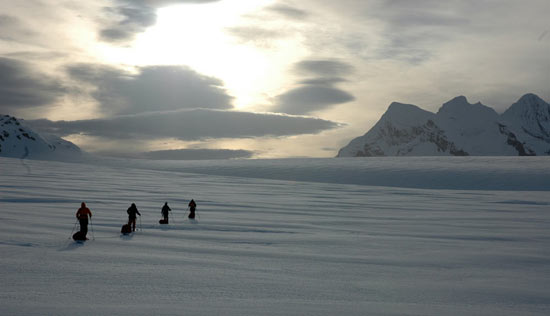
[196, 124]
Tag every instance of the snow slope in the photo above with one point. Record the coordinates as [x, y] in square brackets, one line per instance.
[269, 247]
[458, 173]
[458, 129]
[19, 141]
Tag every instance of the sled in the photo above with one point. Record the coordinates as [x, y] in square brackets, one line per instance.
[126, 229]
[79, 237]
[163, 221]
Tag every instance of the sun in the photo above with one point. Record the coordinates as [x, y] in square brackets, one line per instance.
[196, 35]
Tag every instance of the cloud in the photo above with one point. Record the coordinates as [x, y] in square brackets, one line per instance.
[310, 98]
[196, 154]
[14, 29]
[420, 13]
[37, 56]
[133, 20]
[9, 26]
[195, 124]
[151, 89]
[288, 11]
[265, 27]
[543, 35]
[323, 81]
[126, 18]
[315, 93]
[403, 30]
[257, 35]
[323, 67]
[413, 28]
[21, 87]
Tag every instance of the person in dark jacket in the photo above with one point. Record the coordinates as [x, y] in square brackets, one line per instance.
[82, 215]
[192, 207]
[132, 215]
[164, 211]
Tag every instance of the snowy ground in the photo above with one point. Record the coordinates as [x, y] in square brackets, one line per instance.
[274, 247]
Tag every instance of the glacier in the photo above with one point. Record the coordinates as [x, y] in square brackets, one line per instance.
[279, 237]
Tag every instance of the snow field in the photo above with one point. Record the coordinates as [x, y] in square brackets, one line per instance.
[454, 173]
[268, 247]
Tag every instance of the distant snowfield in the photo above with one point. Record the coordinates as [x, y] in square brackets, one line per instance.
[377, 236]
[467, 173]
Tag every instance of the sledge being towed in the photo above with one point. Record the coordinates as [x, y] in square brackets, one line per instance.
[79, 237]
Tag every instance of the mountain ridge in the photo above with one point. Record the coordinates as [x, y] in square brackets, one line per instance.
[458, 128]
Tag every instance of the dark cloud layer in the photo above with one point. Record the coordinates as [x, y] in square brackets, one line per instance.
[196, 124]
[182, 154]
[21, 87]
[152, 89]
[196, 154]
[311, 98]
[316, 93]
[126, 18]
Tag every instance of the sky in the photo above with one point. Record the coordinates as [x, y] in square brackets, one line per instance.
[193, 79]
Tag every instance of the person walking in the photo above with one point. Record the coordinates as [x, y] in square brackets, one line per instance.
[82, 216]
[132, 215]
[164, 211]
[192, 207]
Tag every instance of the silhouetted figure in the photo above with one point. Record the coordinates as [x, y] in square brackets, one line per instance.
[132, 215]
[82, 215]
[164, 211]
[192, 207]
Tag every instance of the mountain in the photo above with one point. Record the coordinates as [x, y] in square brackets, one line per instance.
[19, 141]
[458, 129]
[529, 118]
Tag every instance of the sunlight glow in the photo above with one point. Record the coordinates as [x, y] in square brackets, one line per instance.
[196, 35]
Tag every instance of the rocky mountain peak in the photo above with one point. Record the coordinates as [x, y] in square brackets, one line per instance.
[460, 107]
[458, 128]
[529, 106]
[405, 114]
[531, 99]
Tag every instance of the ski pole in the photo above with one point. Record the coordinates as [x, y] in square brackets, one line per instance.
[92, 224]
[74, 226]
[140, 229]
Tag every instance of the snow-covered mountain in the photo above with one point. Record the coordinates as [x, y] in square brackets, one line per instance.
[19, 141]
[458, 129]
[529, 118]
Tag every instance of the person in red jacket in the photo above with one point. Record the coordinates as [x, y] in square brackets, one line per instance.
[82, 215]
